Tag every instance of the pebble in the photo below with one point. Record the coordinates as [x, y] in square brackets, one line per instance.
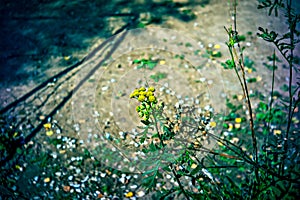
[85, 179]
[140, 194]
[78, 190]
[202, 79]
[78, 170]
[133, 186]
[58, 174]
[225, 133]
[70, 178]
[47, 180]
[54, 155]
[122, 180]
[104, 88]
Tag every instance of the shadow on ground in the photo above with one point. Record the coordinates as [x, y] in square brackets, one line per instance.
[35, 32]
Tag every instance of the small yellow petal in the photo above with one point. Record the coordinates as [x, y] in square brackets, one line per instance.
[49, 133]
[152, 98]
[240, 97]
[15, 134]
[18, 167]
[47, 180]
[151, 89]
[230, 127]
[62, 151]
[237, 126]
[129, 194]
[277, 132]
[217, 46]
[213, 124]
[142, 89]
[67, 57]
[162, 62]
[193, 166]
[258, 78]
[238, 120]
[141, 98]
[214, 52]
[47, 126]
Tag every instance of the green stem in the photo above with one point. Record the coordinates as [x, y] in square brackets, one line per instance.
[156, 125]
[179, 183]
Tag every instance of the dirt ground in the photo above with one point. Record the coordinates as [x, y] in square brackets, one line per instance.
[41, 39]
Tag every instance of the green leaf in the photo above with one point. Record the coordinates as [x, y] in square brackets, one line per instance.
[195, 171]
[262, 106]
[241, 38]
[152, 64]
[136, 61]
[229, 64]
[141, 25]
[152, 147]
[251, 80]
[158, 76]
[284, 88]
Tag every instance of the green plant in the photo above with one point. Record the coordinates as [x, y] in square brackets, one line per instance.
[258, 147]
[158, 76]
[145, 63]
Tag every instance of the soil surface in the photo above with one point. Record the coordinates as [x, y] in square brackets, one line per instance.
[89, 103]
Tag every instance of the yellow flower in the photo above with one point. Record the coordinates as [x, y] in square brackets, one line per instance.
[238, 120]
[47, 180]
[217, 46]
[193, 166]
[131, 95]
[230, 127]
[129, 194]
[151, 89]
[152, 99]
[162, 62]
[49, 133]
[149, 93]
[141, 98]
[277, 132]
[143, 93]
[135, 93]
[142, 89]
[47, 126]
[213, 124]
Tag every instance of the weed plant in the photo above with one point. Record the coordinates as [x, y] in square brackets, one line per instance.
[257, 156]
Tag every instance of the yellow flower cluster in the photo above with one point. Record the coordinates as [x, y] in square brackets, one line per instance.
[144, 95]
[147, 99]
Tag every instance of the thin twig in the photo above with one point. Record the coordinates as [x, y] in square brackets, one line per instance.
[179, 183]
